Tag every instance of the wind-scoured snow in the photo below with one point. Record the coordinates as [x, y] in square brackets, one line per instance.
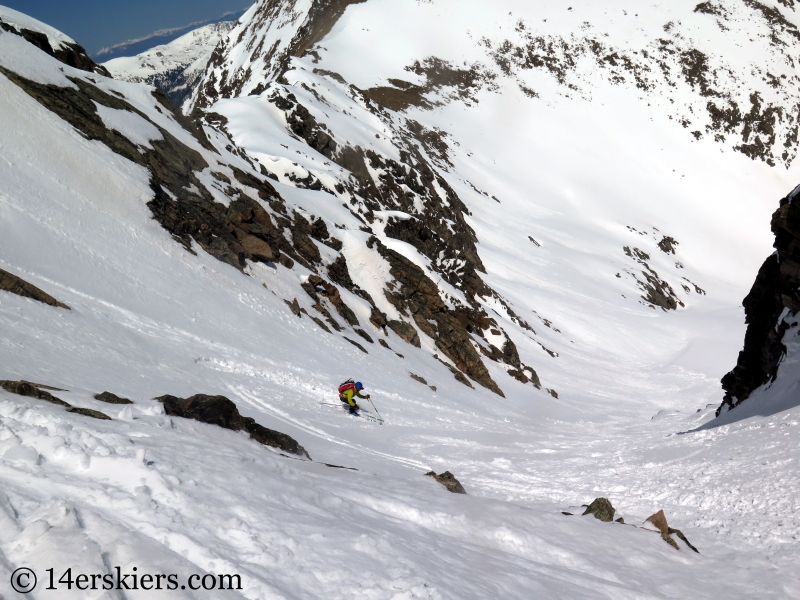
[584, 179]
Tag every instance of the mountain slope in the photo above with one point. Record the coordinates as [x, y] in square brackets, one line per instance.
[189, 269]
[174, 68]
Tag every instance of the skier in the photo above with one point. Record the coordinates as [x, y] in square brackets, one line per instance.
[349, 391]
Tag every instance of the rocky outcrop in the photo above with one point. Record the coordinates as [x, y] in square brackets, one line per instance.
[182, 204]
[417, 297]
[20, 287]
[110, 398]
[89, 412]
[773, 297]
[24, 388]
[448, 480]
[68, 53]
[220, 411]
[659, 521]
[602, 509]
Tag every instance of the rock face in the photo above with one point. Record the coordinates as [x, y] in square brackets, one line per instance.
[220, 411]
[20, 287]
[602, 509]
[235, 214]
[448, 480]
[401, 193]
[773, 298]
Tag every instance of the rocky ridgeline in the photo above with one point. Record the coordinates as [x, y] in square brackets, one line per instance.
[772, 301]
[426, 212]
[68, 53]
[255, 224]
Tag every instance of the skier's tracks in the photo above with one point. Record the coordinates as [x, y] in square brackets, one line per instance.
[247, 394]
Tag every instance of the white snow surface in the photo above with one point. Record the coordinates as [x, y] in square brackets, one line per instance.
[23, 21]
[168, 495]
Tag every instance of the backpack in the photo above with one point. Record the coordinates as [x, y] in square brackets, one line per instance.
[347, 385]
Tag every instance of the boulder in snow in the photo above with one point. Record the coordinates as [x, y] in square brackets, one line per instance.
[219, 410]
[448, 480]
[602, 509]
[111, 398]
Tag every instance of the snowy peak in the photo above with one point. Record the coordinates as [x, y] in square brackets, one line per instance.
[260, 48]
[722, 70]
[174, 68]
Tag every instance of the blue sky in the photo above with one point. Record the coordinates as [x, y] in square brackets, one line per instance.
[97, 24]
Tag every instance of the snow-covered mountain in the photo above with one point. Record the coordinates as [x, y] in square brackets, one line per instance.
[508, 232]
[176, 67]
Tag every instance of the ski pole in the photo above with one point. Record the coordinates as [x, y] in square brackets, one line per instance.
[373, 406]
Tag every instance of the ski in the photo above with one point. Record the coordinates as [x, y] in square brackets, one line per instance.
[361, 413]
[369, 417]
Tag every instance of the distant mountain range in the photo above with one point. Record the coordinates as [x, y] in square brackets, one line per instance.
[176, 67]
[159, 38]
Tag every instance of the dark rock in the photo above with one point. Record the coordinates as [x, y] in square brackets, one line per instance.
[322, 324]
[20, 287]
[418, 295]
[294, 306]
[364, 335]
[23, 388]
[680, 535]
[553, 393]
[405, 332]
[220, 411]
[775, 289]
[418, 378]
[111, 398]
[339, 273]
[668, 245]
[42, 386]
[518, 375]
[68, 53]
[620, 520]
[569, 514]
[456, 373]
[316, 285]
[602, 509]
[449, 481]
[357, 345]
[88, 412]
[383, 343]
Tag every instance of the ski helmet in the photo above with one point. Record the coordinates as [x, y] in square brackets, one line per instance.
[359, 385]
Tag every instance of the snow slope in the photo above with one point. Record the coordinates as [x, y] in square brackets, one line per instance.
[176, 67]
[148, 318]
